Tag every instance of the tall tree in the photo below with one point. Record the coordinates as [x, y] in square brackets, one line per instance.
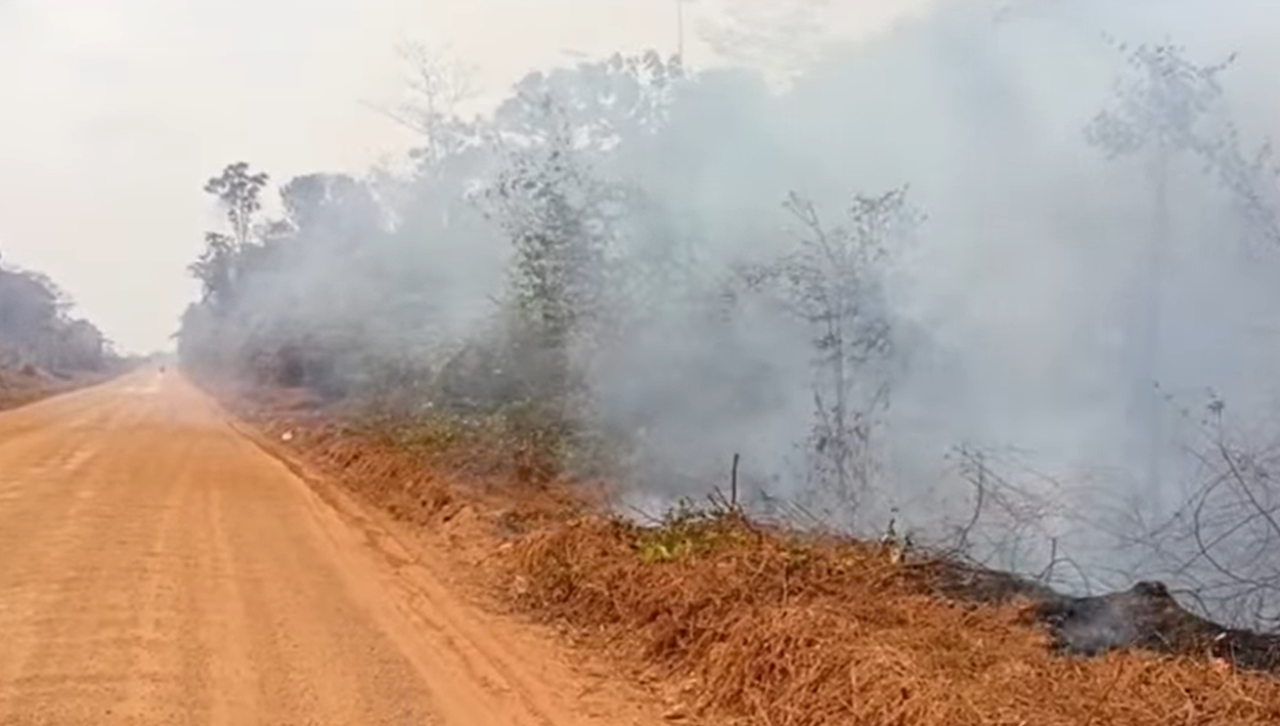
[1168, 107]
[239, 193]
[833, 283]
[557, 216]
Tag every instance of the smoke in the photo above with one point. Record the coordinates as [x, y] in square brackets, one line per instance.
[1016, 309]
[1019, 307]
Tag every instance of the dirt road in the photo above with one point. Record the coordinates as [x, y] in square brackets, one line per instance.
[157, 567]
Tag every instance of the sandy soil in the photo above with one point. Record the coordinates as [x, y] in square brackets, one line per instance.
[159, 567]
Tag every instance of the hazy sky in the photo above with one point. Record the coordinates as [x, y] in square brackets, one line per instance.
[114, 112]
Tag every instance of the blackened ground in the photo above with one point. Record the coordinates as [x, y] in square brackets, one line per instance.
[1144, 617]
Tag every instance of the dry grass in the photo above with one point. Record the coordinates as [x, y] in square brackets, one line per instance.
[760, 625]
[27, 385]
[778, 629]
[428, 474]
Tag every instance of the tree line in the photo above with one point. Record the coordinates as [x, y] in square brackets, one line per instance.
[37, 331]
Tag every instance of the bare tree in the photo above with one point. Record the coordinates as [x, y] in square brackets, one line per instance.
[1166, 107]
[833, 284]
[436, 84]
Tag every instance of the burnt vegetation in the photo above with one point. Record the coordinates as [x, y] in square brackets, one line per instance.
[617, 274]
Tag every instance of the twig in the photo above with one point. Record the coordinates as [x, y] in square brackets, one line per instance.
[733, 481]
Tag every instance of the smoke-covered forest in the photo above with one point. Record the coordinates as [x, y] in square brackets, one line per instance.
[998, 280]
[37, 333]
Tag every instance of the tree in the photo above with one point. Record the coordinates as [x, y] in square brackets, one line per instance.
[557, 218]
[1168, 106]
[329, 207]
[215, 268]
[594, 105]
[833, 283]
[239, 192]
[1216, 542]
[555, 200]
[436, 84]
[223, 266]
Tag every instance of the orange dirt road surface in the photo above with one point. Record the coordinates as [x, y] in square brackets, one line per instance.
[157, 567]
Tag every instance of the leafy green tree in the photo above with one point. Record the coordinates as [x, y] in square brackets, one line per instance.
[555, 198]
[556, 216]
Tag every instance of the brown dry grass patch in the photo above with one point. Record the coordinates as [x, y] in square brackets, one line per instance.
[775, 628]
[426, 475]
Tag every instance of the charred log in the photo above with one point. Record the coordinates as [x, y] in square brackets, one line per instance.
[1147, 617]
[1144, 617]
